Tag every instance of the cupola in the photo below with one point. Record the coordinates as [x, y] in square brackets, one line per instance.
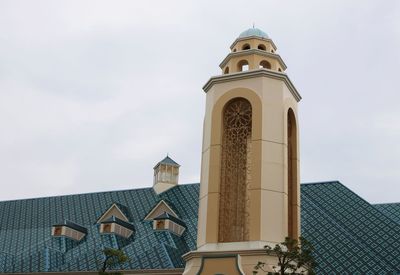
[252, 50]
[166, 174]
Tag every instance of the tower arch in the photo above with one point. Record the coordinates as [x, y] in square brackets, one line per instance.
[292, 175]
[235, 171]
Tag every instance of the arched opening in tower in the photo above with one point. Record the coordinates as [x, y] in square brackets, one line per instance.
[293, 192]
[235, 171]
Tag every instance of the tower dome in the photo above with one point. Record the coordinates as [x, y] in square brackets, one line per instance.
[252, 50]
[253, 32]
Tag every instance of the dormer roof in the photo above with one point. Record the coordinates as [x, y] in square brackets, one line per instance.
[72, 225]
[167, 216]
[116, 210]
[161, 207]
[116, 220]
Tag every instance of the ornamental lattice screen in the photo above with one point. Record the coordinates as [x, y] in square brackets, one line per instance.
[235, 171]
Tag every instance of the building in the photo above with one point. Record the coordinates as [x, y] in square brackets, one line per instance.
[249, 196]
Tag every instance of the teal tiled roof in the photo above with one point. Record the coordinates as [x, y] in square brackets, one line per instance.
[391, 210]
[26, 244]
[350, 235]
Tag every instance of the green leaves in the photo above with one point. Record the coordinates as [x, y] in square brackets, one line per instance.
[113, 258]
[294, 257]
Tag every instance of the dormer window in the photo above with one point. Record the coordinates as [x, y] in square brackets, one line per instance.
[69, 229]
[116, 226]
[57, 231]
[159, 225]
[167, 222]
[106, 228]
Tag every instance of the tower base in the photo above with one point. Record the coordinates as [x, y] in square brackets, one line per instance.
[226, 262]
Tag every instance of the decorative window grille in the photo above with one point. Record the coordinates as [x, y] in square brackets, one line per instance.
[235, 171]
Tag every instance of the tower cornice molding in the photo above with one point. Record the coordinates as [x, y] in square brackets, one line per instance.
[253, 51]
[253, 74]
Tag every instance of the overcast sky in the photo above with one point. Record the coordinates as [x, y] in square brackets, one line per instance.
[94, 93]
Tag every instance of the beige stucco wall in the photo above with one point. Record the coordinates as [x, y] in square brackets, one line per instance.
[270, 99]
[253, 42]
[254, 60]
[228, 262]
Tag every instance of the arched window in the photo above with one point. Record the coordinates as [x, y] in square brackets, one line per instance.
[234, 50]
[246, 47]
[293, 192]
[279, 69]
[226, 71]
[262, 47]
[235, 171]
[265, 64]
[242, 66]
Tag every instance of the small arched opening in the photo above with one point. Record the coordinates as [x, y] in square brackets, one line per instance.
[262, 47]
[243, 65]
[234, 50]
[226, 71]
[265, 64]
[246, 47]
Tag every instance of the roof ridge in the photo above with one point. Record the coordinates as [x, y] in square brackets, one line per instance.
[320, 182]
[383, 203]
[94, 192]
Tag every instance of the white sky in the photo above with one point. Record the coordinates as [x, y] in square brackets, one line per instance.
[94, 93]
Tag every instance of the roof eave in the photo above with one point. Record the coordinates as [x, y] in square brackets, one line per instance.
[252, 74]
[253, 51]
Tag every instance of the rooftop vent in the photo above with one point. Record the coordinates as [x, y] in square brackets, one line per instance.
[166, 174]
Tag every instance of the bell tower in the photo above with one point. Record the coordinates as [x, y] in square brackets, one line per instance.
[249, 187]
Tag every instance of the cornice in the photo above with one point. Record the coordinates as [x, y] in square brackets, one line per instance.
[252, 74]
[253, 51]
[196, 254]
